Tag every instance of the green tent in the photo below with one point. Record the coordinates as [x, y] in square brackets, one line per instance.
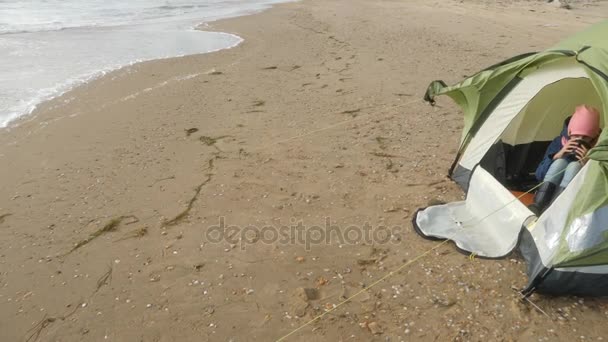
[512, 110]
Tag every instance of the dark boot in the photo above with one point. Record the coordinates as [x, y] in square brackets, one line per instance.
[542, 198]
[557, 193]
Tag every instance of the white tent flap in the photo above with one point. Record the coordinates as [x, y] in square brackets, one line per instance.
[487, 223]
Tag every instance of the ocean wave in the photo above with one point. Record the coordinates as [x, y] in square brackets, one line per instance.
[54, 15]
[171, 7]
[47, 49]
[45, 29]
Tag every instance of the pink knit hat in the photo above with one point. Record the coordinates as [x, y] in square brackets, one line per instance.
[585, 121]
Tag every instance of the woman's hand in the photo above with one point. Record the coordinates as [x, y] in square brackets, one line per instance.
[570, 147]
[581, 152]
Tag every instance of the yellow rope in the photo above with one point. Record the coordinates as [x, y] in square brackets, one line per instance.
[471, 257]
[420, 256]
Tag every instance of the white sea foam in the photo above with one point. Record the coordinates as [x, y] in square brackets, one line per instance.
[49, 46]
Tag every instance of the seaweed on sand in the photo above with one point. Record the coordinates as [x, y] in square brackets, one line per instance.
[386, 155]
[111, 226]
[3, 216]
[182, 215]
[139, 233]
[352, 112]
[103, 280]
[189, 131]
[36, 330]
[210, 141]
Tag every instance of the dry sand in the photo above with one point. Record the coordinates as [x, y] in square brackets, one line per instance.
[318, 114]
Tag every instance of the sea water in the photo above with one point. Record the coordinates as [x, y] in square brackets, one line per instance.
[49, 46]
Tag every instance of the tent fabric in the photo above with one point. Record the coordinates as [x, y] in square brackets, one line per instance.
[514, 103]
[541, 119]
[547, 230]
[517, 102]
[472, 225]
[477, 92]
[585, 281]
[588, 211]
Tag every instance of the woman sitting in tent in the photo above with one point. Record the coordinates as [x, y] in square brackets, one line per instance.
[565, 156]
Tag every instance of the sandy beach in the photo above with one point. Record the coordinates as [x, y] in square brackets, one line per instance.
[112, 194]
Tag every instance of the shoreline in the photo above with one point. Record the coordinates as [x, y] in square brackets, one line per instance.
[83, 79]
[97, 75]
[109, 198]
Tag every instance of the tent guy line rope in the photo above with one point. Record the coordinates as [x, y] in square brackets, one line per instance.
[340, 123]
[391, 273]
[386, 276]
[417, 258]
